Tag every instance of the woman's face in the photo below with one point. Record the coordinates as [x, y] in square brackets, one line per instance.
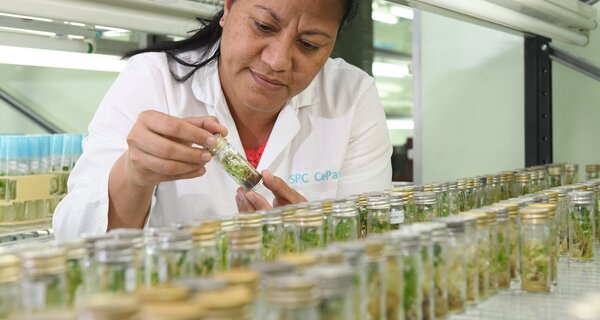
[272, 49]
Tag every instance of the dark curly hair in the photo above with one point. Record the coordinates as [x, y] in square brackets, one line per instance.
[209, 35]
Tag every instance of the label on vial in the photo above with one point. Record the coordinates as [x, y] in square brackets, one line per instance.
[397, 216]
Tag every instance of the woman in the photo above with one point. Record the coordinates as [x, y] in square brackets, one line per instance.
[259, 73]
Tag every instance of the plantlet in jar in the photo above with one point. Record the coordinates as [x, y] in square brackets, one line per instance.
[502, 260]
[440, 298]
[310, 239]
[74, 279]
[535, 267]
[332, 309]
[270, 243]
[580, 234]
[289, 241]
[411, 287]
[204, 266]
[344, 230]
[392, 286]
[240, 171]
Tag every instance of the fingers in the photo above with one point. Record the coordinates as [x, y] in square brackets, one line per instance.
[197, 130]
[250, 201]
[283, 193]
[161, 147]
[164, 167]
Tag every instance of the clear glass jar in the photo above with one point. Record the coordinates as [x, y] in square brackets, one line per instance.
[78, 264]
[562, 217]
[409, 203]
[479, 187]
[592, 171]
[236, 165]
[522, 183]
[272, 234]
[90, 273]
[456, 263]
[493, 249]
[412, 267]
[483, 253]
[290, 230]
[394, 281]
[249, 221]
[440, 269]
[227, 225]
[310, 229]
[514, 231]
[497, 188]
[344, 221]
[335, 282]
[10, 289]
[300, 261]
[292, 297]
[571, 173]
[501, 258]
[555, 176]
[471, 196]
[354, 255]
[396, 209]
[471, 248]
[247, 279]
[378, 214]
[441, 200]
[325, 207]
[535, 250]
[169, 258]
[489, 191]
[363, 214]
[594, 187]
[581, 226]
[375, 274]
[463, 204]
[44, 281]
[136, 237]
[427, 272]
[115, 266]
[245, 248]
[453, 202]
[205, 252]
[505, 186]
[553, 248]
[425, 206]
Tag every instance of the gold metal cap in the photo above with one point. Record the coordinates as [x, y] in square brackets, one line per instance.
[482, 218]
[300, 261]
[44, 261]
[240, 277]
[534, 214]
[244, 238]
[109, 307]
[10, 269]
[172, 311]
[549, 206]
[513, 208]
[248, 220]
[231, 302]
[591, 168]
[163, 294]
[309, 217]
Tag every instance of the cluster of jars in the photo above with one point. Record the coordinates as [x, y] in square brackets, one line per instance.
[398, 254]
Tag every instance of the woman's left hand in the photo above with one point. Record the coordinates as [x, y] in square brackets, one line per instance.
[248, 201]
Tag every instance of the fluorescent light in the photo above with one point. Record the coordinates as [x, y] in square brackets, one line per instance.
[60, 59]
[35, 32]
[384, 17]
[111, 29]
[390, 70]
[402, 12]
[24, 17]
[77, 24]
[400, 124]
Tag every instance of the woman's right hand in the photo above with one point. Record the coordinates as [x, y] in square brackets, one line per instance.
[161, 148]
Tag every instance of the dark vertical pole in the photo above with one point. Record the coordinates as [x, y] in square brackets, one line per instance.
[538, 101]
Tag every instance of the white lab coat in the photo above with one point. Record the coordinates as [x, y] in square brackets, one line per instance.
[329, 141]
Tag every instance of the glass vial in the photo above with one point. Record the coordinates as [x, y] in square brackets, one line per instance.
[581, 226]
[44, 281]
[115, 266]
[310, 229]
[378, 214]
[553, 246]
[354, 255]
[204, 252]
[456, 263]
[335, 282]
[375, 271]
[236, 165]
[290, 230]
[425, 206]
[592, 171]
[292, 297]
[483, 252]
[78, 264]
[344, 222]
[397, 211]
[272, 234]
[535, 250]
[571, 173]
[471, 248]
[245, 248]
[412, 275]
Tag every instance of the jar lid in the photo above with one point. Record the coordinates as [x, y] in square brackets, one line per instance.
[506, 176]
[501, 211]
[470, 221]
[424, 232]
[482, 218]
[409, 239]
[172, 311]
[489, 179]
[522, 176]
[534, 214]
[164, 293]
[328, 256]
[114, 251]
[270, 269]
[203, 233]
[375, 245]
[227, 223]
[43, 261]
[551, 208]
[75, 249]
[136, 236]
[151, 234]
[309, 216]
[378, 201]
[354, 251]
[240, 277]
[526, 200]
[437, 187]
[272, 217]
[288, 213]
[175, 240]
[513, 208]
[540, 198]
[555, 170]
[334, 280]
[491, 214]
[197, 285]
[344, 209]
[91, 239]
[299, 261]
[10, 268]
[452, 185]
[424, 198]
[455, 224]
[461, 184]
[241, 238]
[109, 307]
[292, 291]
[326, 205]
[248, 219]
[592, 168]
[233, 301]
[552, 195]
[571, 167]
[581, 197]
[406, 191]
[438, 229]
[497, 179]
